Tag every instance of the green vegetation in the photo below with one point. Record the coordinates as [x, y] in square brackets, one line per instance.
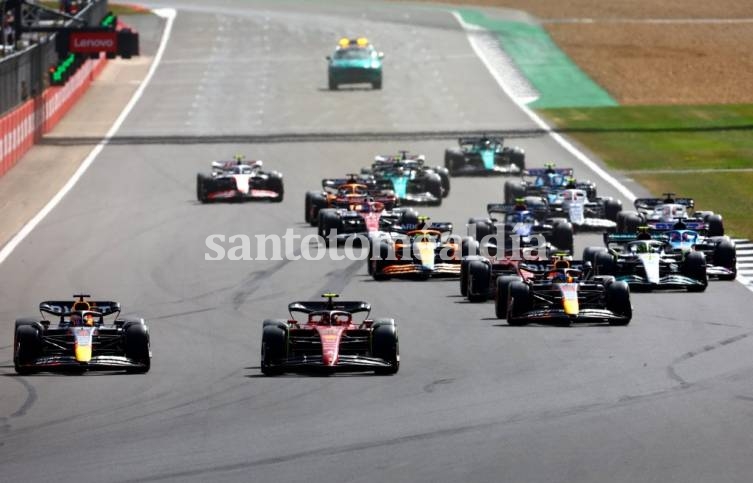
[639, 139]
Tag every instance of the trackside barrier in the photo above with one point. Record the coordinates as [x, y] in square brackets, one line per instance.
[21, 127]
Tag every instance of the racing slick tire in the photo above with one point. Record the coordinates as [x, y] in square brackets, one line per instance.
[628, 222]
[716, 225]
[725, 255]
[380, 262]
[484, 228]
[329, 221]
[589, 254]
[276, 184]
[385, 345]
[273, 348]
[502, 293]
[604, 264]
[468, 246]
[562, 236]
[409, 218]
[315, 201]
[309, 206]
[464, 263]
[612, 208]
[377, 84]
[201, 188]
[444, 176]
[332, 84]
[513, 191]
[136, 344]
[479, 280]
[519, 303]
[618, 302]
[434, 187]
[453, 160]
[27, 345]
[695, 268]
[518, 158]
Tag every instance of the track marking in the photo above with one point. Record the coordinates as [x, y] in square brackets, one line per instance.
[167, 13]
[482, 52]
[485, 55]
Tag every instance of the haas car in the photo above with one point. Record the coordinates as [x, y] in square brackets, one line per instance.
[239, 181]
[484, 156]
[83, 338]
[328, 338]
[647, 262]
[662, 213]
[563, 292]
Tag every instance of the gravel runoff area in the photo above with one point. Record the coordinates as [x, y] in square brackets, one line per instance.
[649, 52]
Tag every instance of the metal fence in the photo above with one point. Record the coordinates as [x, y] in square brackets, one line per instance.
[24, 74]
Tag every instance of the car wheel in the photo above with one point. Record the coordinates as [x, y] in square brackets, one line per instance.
[273, 349]
[136, 343]
[618, 302]
[386, 346]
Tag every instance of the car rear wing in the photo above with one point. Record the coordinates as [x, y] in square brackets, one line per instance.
[64, 307]
[622, 238]
[307, 307]
[539, 211]
[544, 171]
[651, 203]
[476, 139]
[333, 183]
[442, 227]
[695, 225]
[543, 267]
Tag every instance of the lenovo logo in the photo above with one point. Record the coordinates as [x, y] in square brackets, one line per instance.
[83, 42]
[93, 43]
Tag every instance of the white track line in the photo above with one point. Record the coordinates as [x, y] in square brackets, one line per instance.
[168, 14]
[485, 57]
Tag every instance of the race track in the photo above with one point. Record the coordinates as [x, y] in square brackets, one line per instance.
[667, 398]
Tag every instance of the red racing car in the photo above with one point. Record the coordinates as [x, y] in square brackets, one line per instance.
[329, 339]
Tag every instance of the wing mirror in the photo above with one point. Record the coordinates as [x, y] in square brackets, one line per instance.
[328, 57]
[380, 55]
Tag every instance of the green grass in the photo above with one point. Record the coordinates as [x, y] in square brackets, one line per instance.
[646, 138]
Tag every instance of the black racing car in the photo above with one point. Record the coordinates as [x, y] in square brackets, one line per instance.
[83, 338]
[329, 336]
[484, 155]
[410, 179]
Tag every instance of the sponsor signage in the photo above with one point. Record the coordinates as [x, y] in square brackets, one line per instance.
[93, 42]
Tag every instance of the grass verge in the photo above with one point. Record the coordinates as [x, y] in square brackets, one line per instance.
[659, 146]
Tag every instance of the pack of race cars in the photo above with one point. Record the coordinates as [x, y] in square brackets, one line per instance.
[520, 254]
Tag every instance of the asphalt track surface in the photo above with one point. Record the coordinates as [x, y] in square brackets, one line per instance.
[667, 398]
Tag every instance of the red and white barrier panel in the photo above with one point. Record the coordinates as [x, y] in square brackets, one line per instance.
[25, 124]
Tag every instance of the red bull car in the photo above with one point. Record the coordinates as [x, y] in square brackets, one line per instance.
[563, 292]
[329, 336]
[87, 335]
[239, 181]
